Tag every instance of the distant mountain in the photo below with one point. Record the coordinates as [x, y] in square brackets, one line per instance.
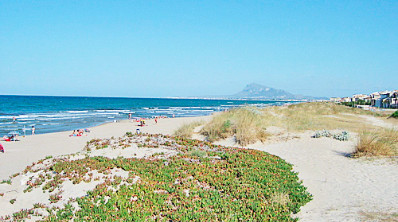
[257, 91]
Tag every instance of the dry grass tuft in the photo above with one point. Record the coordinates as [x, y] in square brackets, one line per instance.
[379, 216]
[245, 123]
[377, 143]
[187, 129]
[219, 127]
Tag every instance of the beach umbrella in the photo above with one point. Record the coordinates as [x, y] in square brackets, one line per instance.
[14, 133]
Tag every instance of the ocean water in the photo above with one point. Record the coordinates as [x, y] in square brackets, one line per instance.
[54, 114]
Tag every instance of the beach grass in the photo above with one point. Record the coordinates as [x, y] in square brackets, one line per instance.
[249, 124]
[318, 116]
[383, 142]
[246, 124]
[187, 130]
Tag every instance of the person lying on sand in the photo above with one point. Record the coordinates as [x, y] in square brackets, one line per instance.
[8, 138]
[74, 133]
[80, 132]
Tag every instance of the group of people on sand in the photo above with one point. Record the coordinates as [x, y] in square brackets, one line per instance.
[13, 137]
[79, 132]
[10, 138]
[142, 120]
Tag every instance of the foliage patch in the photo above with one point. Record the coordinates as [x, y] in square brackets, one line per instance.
[203, 182]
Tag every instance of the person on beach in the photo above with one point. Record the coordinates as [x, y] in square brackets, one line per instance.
[73, 134]
[1, 148]
[129, 115]
[6, 138]
[80, 132]
[33, 130]
[156, 120]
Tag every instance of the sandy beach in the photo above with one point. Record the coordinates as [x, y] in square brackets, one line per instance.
[343, 189]
[18, 155]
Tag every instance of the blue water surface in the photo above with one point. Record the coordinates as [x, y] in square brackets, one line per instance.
[54, 114]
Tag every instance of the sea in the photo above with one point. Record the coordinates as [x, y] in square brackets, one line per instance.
[54, 113]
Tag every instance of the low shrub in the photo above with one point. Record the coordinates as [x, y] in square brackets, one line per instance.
[343, 136]
[394, 115]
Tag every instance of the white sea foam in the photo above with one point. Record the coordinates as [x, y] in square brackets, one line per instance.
[82, 111]
[112, 110]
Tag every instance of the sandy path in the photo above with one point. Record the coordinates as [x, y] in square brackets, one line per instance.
[342, 187]
[375, 121]
[378, 122]
[29, 149]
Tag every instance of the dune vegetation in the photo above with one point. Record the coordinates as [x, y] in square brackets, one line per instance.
[246, 124]
[377, 143]
[249, 124]
[200, 182]
[187, 129]
[394, 115]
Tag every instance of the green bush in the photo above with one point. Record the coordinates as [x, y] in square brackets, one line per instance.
[395, 115]
[359, 102]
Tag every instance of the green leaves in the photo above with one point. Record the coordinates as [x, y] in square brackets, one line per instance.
[205, 182]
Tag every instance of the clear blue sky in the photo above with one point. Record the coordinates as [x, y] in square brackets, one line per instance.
[195, 48]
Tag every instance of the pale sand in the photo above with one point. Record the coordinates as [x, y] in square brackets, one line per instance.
[343, 188]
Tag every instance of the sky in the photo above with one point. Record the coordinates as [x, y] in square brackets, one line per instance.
[197, 48]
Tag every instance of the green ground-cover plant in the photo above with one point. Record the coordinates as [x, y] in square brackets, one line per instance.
[6, 181]
[203, 182]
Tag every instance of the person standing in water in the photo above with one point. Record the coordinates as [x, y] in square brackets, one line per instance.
[33, 130]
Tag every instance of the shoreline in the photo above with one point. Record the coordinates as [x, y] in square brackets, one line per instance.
[69, 113]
